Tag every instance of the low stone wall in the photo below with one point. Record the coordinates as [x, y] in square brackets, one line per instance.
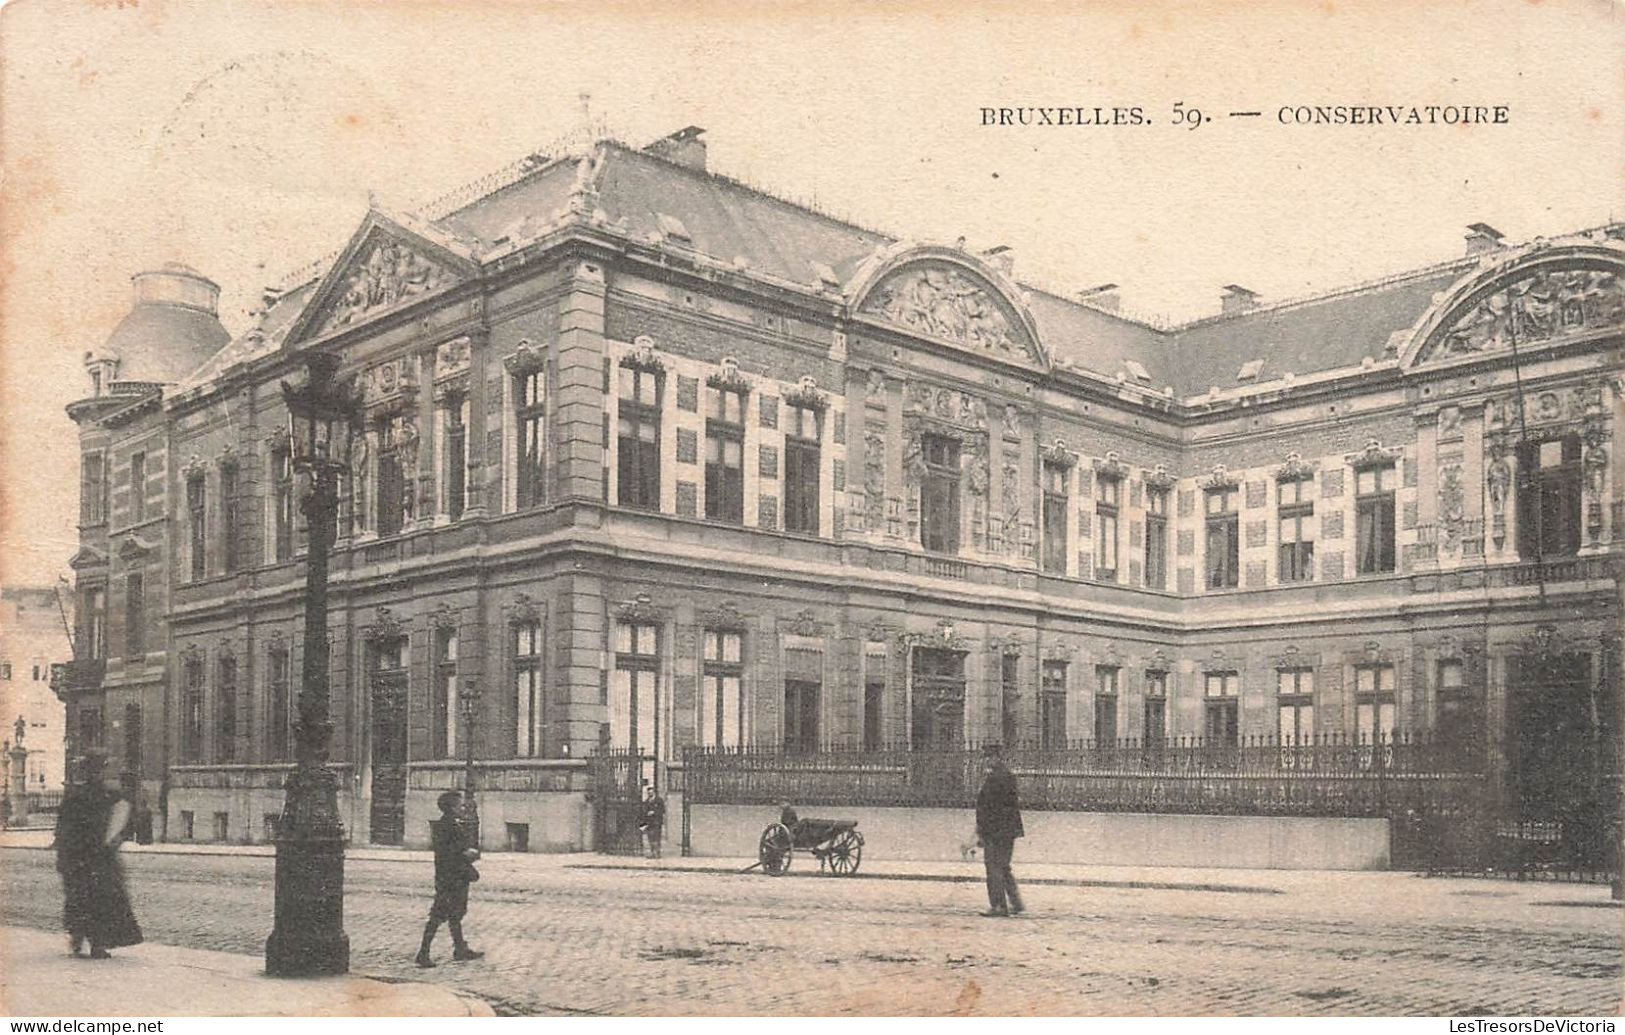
[1094, 838]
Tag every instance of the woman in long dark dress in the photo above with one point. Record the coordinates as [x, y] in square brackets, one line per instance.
[95, 905]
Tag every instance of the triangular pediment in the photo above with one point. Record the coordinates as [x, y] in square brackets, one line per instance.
[87, 557]
[1541, 298]
[386, 266]
[950, 302]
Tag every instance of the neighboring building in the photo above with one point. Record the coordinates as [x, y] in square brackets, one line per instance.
[657, 459]
[34, 625]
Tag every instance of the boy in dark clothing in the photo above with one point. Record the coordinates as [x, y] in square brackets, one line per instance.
[653, 821]
[998, 824]
[453, 872]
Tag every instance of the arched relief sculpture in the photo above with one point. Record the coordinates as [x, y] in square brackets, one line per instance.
[1544, 304]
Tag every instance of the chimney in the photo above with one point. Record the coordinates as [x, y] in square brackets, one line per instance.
[686, 148]
[1237, 299]
[1002, 259]
[1481, 238]
[1102, 296]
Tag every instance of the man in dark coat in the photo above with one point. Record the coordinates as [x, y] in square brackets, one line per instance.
[453, 872]
[95, 905]
[998, 824]
[653, 821]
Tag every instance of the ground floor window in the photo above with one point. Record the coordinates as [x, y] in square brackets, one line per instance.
[634, 691]
[801, 715]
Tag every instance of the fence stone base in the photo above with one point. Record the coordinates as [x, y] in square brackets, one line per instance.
[1092, 838]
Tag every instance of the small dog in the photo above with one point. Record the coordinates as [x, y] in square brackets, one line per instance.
[971, 850]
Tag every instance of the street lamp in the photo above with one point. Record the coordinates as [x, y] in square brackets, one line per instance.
[469, 702]
[308, 937]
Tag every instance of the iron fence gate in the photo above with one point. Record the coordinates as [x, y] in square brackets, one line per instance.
[618, 779]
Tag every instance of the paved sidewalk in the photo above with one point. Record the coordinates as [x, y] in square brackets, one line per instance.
[40, 979]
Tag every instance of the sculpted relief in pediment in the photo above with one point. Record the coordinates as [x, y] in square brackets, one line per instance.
[1548, 303]
[947, 303]
[384, 275]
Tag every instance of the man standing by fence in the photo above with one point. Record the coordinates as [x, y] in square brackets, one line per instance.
[998, 824]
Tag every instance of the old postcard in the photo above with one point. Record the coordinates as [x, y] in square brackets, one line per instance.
[811, 509]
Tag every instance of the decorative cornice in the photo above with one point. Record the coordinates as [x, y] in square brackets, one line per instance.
[806, 394]
[132, 549]
[642, 356]
[729, 379]
[1373, 455]
[1058, 454]
[526, 358]
[1295, 469]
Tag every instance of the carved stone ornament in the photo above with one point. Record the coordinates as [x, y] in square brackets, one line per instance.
[443, 617]
[1541, 305]
[1374, 454]
[1295, 469]
[192, 653]
[1110, 466]
[1452, 505]
[385, 626]
[384, 276]
[876, 386]
[1011, 422]
[524, 608]
[640, 609]
[194, 466]
[729, 379]
[389, 385]
[944, 405]
[879, 631]
[1219, 478]
[806, 394]
[277, 640]
[943, 637]
[642, 356]
[804, 623]
[1158, 661]
[278, 440]
[526, 358]
[1057, 652]
[1058, 454]
[131, 549]
[1159, 478]
[724, 616]
[946, 303]
[452, 357]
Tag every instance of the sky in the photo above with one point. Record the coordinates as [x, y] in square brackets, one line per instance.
[245, 139]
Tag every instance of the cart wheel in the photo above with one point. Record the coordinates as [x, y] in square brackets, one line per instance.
[846, 853]
[775, 849]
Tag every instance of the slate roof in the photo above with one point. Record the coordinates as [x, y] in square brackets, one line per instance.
[161, 343]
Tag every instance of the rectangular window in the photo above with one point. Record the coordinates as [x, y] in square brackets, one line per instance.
[1052, 707]
[95, 624]
[456, 413]
[1156, 538]
[192, 712]
[138, 487]
[225, 712]
[93, 489]
[529, 706]
[1057, 478]
[1223, 539]
[135, 616]
[722, 696]
[1295, 713]
[197, 516]
[638, 464]
[277, 703]
[724, 455]
[281, 504]
[939, 495]
[132, 739]
[90, 727]
[188, 824]
[1295, 509]
[1106, 508]
[634, 698]
[391, 478]
[1549, 498]
[1374, 519]
[1374, 703]
[444, 695]
[1457, 728]
[1106, 677]
[1156, 709]
[874, 706]
[802, 458]
[231, 525]
[530, 419]
[1010, 693]
[801, 707]
[1222, 713]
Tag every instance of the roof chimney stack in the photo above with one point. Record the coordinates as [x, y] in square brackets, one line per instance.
[1481, 238]
[1002, 259]
[1102, 296]
[686, 148]
[1237, 299]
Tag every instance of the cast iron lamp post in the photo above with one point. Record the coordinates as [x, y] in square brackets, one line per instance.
[469, 702]
[308, 937]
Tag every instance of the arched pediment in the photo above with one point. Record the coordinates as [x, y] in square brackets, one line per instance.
[950, 295]
[1533, 297]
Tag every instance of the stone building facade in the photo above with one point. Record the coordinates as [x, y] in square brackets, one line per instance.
[654, 459]
[34, 623]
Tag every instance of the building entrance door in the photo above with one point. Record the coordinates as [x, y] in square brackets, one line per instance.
[388, 688]
[938, 700]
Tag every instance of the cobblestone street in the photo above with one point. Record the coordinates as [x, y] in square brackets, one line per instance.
[567, 938]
